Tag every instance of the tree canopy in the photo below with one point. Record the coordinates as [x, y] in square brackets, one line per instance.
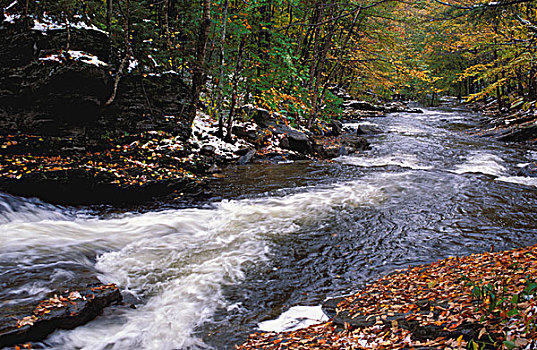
[286, 55]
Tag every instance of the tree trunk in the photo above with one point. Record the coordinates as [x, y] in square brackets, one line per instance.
[234, 94]
[198, 76]
[128, 52]
[166, 25]
[220, 97]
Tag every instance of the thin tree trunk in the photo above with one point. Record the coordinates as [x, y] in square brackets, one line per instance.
[166, 24]
[128, 53]
[219, 104]
[234, 95]
[198, 76]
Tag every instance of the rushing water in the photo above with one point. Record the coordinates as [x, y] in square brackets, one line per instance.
[275, 237]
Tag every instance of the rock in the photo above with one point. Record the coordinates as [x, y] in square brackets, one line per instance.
[78, 187]
[290, 138]
[66, 99]
[367, 130]
[398, 107]
[358, 114]
[63, 311]
[247, 158]
[207, 150]
[423, 333]
[520, 134]
[356, 143]
[337, 128]
[298, 141]
[529, 170]
[213, 169]
[363, 106]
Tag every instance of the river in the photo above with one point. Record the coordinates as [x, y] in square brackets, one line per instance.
[275, 237]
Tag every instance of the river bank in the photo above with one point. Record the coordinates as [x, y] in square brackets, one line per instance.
[483, 301]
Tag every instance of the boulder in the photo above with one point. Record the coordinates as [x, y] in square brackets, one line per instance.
[297, 141]
[290, 138]
[367, 130]
[247, 158]
[207, 150]
[62, 311]
[363, 106]
[529, 170]
[398, 107]
[520, 134]
[336, 128]
[356, 144]
[65, 98]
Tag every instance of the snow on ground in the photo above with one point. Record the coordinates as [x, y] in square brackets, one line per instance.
[295, 318]
[204, 131]
[47, 23]
[77, 56]
[9, 18]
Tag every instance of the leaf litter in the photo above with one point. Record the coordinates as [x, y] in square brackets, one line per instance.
[482, 301]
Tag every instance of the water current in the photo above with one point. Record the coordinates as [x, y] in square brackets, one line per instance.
[274, 237]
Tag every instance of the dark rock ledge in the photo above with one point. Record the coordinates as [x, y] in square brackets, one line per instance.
[65, 310]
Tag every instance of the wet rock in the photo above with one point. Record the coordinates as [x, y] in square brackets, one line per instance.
[363, 106]
[367, 130]
[529, 170]
[358, 114]
[63, 311]
[247, 158]
[298, 141]
[399, 107]
[207, 150]
[78, 187]
[291, 138]
[356, 143]
[213, 169]
[520, 134]
[336, 127]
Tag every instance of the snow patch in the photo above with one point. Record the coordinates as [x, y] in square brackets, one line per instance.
[11, 18]
[204, 134]
[295, 318]
[47, 23]
[77, 56]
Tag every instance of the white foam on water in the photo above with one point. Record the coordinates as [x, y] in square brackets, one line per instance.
[295, 318]
[407, 129]
[355, 125]
[409, 161]
[522, 180]
[176, 261]
[17, 210]
[483, 163]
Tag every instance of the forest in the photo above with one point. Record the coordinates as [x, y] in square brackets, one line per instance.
[268, 174]
[286, 56]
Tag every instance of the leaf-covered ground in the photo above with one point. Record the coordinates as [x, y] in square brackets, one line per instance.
[133, 160]
[482, 301]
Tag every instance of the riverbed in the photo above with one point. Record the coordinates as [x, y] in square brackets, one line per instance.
[274, 236]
